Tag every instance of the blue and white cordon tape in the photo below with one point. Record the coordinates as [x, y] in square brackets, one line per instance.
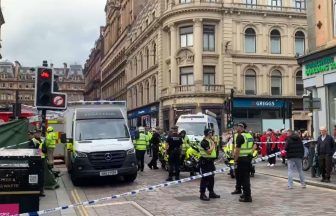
[135, 192]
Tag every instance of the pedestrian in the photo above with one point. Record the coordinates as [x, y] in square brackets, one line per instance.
[244, 147]
[155, 141]
[141, 146]
[51, 139]
[282, 140]
[295, 152]
[272, 147]
[208, 156]
[325, 151]
[174, 142]
[149, 134]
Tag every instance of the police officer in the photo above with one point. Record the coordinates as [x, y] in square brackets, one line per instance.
[185, 144]
[174, 142]
[40, 145]
[244, 147]
[208, 156]
[155, 144]
[141, 145]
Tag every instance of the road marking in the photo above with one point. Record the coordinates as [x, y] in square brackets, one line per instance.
[134, 204]
[81, 209]
[79, 199]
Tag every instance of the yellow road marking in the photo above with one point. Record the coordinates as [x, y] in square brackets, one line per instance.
[81, 209]
[85, 213]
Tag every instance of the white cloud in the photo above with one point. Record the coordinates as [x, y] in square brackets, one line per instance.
[56, 30]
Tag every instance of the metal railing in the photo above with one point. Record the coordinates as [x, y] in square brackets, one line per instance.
[184, 89]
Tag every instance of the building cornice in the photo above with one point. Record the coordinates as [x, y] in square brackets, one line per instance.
[258, 56]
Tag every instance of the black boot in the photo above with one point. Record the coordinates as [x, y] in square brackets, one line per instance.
[169, 178]
[245, 199]
[213, 195]
[204, 197]
[150, 166]
[236, 192]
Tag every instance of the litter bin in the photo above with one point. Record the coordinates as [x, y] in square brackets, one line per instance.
[20, 179]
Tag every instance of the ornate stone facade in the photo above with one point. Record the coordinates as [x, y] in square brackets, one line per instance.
[186, 56]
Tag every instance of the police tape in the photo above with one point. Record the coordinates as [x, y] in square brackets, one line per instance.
[146, 189]
[304, 142]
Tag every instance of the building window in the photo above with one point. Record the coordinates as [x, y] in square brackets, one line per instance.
[299, 5]
[209, 73]
[141, 63]
[275, 4]
[154, 89]
[299, 84]
[185, 1]
[136, 65]
[250, 82]
[299, 43]
[147, 58]
[209, 38]
[187, 76]
[250, 40]
[147, 92]
[250, 3]
[186, 36]
[275, 42]
[276, 83]
[154, 53]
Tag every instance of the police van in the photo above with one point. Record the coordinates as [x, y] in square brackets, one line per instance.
[98, 141]
[195, 124]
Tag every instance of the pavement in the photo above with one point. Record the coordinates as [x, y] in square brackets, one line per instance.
[280, 171]
[269, 191]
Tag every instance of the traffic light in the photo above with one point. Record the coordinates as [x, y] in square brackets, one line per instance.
[45, 97]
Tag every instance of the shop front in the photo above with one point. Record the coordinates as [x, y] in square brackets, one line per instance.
[261, 114]
[146, 116]
[319, 77]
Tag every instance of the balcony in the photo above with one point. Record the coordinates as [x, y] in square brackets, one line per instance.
[193, 90]
[184, 89]
[214, 89]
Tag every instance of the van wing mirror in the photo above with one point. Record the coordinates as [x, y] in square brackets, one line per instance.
[63, 138]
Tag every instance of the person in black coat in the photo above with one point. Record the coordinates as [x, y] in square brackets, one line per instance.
[156, 139]
[294, 153]
[325, 151]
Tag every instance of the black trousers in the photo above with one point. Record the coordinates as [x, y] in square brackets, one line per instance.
[174, 164]
[208, 182]
[155, 157]
[325, 166]
[244, 169]
[238, 181]
[272, 160]
[140, 155]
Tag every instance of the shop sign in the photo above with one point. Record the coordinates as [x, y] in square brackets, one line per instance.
[262, 104]
[320, 66]
[143, 111]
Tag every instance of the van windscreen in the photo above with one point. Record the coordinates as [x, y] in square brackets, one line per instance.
[94, 129]
[192, 128]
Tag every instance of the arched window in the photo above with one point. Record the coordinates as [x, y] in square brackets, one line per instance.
[141, 63]
[299, 84]
[299, 43]
[141, 95]
[154, 88]
[147, 58]
[135, 96]
[250, 82]
[136, 65]
[276, 83]
[154, 53]
[275, 42]
[250, 40]
[147, 92]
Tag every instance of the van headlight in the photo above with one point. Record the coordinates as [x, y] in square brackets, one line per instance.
[78, 154]
[130, 151]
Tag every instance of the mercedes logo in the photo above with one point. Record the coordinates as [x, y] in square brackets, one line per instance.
[108, 156]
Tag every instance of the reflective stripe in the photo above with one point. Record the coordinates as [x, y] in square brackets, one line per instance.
[205, 154]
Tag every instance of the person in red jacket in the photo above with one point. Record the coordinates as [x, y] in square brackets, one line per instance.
[272, 146]
[263, 146]
[281, 146]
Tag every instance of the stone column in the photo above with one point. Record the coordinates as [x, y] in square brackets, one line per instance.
[239, 83]
[266, 89]
[239, 33]
[198, 51]
[173, 48]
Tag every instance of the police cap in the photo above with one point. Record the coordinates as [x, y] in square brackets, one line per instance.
[242, 124]
[207, 131]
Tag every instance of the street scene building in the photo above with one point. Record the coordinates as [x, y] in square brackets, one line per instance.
[319, 67]
[169, 58]
[14, 77]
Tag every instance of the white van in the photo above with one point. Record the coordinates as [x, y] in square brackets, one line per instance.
[195, 124]
[99, 142]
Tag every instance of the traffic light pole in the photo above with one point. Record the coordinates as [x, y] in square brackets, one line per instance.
[44, 122]
[312, 113]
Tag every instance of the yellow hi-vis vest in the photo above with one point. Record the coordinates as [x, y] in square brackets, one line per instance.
[142, 143]
[40, 145]
[246, 149]
[51, 139]
[186, 144]
[205, 154]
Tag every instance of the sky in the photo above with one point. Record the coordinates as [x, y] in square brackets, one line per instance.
[54, 30]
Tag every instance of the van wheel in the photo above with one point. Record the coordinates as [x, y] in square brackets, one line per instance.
[75, 180]
[130, 178]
